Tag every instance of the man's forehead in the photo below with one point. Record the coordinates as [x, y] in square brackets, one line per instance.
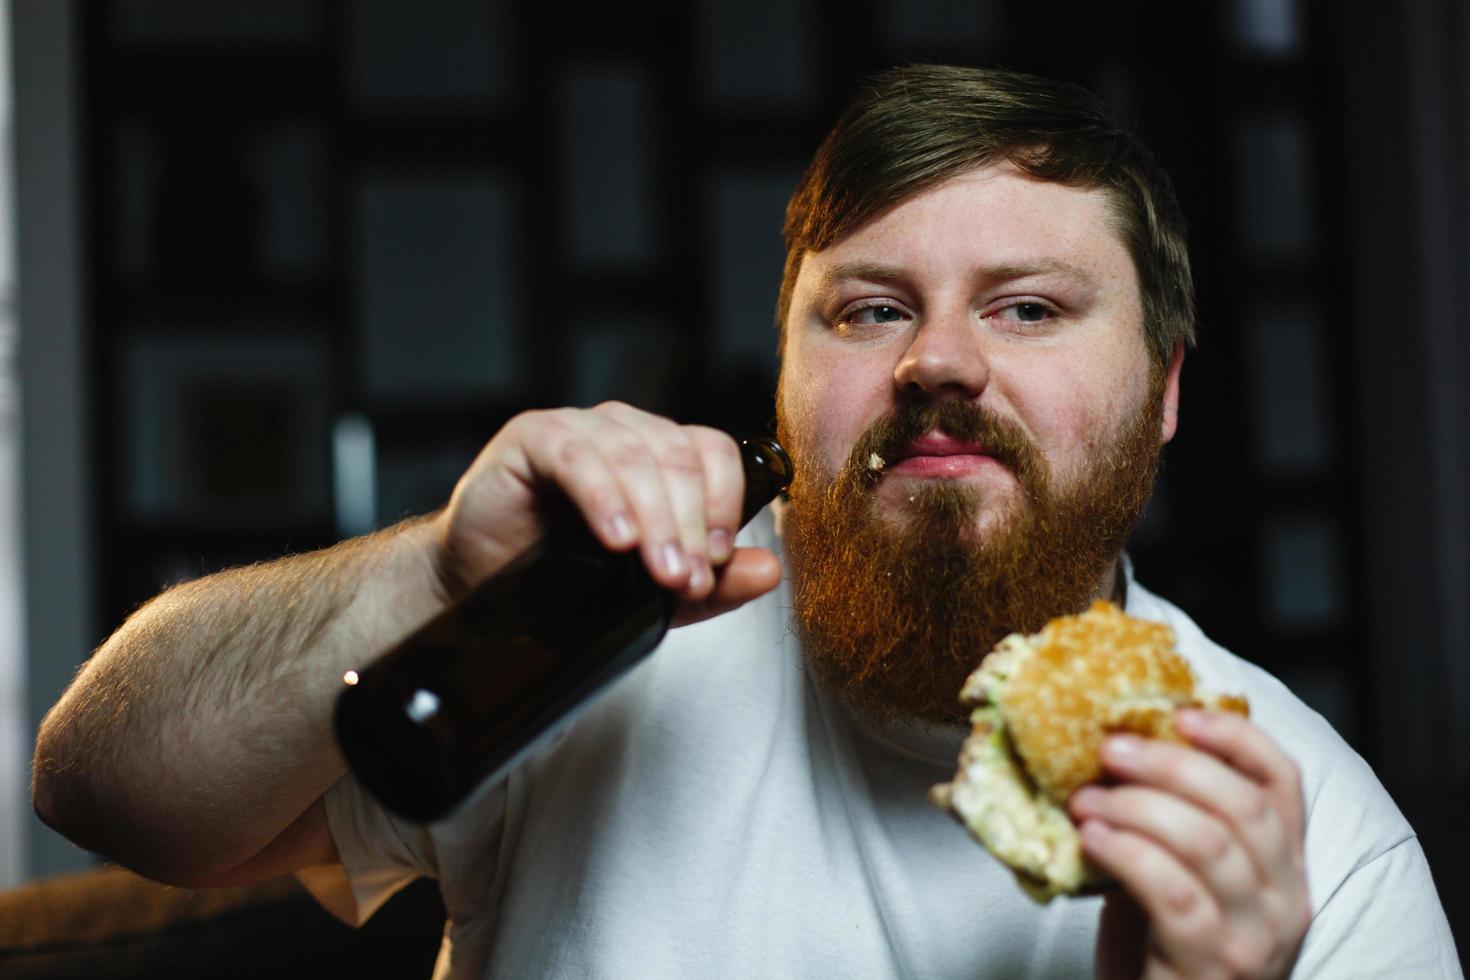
[1010, 223]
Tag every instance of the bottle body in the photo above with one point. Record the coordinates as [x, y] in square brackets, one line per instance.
[458, 703]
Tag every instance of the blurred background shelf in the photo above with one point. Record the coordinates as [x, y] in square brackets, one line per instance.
[429, 221]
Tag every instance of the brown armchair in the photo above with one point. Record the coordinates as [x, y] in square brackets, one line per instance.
[110, 923]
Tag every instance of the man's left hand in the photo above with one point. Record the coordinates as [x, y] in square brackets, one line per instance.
[1206, 839]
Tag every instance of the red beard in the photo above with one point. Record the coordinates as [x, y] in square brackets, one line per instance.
[895, 619]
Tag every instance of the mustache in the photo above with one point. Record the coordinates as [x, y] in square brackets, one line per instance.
[888, 437]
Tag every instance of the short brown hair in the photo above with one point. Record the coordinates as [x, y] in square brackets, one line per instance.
[915, 127]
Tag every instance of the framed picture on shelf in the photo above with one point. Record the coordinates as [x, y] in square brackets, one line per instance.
[226, 431]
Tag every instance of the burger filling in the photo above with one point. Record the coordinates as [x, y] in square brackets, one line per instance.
[998, 803]
[1000, 806]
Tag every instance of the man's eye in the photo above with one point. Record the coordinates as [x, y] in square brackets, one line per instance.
[1027, 312]
[869, 315]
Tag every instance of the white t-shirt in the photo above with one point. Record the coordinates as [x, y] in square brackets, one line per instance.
[717, 814]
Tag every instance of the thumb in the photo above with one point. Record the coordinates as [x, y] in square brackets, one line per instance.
[750, 573]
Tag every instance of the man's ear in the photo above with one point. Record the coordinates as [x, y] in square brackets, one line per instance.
[1170, 422]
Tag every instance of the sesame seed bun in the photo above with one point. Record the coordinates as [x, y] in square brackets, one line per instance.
[1042, 706]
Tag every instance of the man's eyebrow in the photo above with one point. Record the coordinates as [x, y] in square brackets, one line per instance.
[869, 271]
[1040, 267]
[881, 273]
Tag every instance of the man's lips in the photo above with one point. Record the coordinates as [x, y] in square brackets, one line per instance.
[937, 454]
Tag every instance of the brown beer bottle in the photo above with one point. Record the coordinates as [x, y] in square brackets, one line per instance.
[457, 704]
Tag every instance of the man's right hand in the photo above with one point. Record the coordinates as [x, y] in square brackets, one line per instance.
[672, 491]
[196, 744]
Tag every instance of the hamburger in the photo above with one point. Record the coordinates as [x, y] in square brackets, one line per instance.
[1042, 706]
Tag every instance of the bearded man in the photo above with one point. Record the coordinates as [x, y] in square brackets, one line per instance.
[984, 315]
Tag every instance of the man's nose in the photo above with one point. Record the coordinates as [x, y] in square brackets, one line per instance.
[946, 358]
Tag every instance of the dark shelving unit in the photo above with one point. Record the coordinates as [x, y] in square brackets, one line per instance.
[249, 193]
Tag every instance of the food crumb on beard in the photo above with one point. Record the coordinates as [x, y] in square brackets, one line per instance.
[875, 462]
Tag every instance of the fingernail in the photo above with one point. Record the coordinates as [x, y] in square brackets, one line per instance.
[1121, 748]
[673, 560]
[1191, 719]
[620, 529]
[1094, 831]
[1087, 798]
[702, 577]
[719, 544]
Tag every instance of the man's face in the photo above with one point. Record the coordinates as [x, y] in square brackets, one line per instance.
[996, 288]
[969, 396]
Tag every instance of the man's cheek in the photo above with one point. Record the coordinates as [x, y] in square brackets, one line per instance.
[817, 424]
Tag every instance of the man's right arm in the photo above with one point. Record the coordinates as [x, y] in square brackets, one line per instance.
[199, 734]
[196, 744]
